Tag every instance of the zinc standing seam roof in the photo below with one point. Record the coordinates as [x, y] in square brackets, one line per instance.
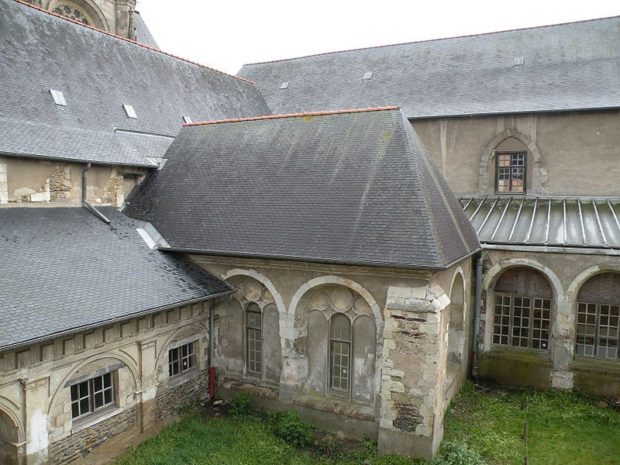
[98, 74]
[545, 221]
[65, 270]
[351, 187]
[573, 66]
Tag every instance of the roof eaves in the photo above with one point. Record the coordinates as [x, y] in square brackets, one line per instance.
[113, 320]
[524, 112]
[79, 160]
[139, 44]
[303, 258]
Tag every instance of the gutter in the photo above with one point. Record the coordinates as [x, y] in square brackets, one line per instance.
[327, 261]
[85, 203]
[477, 303]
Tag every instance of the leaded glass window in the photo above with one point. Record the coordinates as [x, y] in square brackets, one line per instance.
[92, 395]
[340, 353]
[181, 359]
[510, 172]
[254, 339]
[522, 321]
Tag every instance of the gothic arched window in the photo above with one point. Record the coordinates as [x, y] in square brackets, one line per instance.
[72, 11]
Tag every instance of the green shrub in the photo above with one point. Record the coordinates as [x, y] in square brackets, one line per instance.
[288, 426]
[240, 406]
[457, 453]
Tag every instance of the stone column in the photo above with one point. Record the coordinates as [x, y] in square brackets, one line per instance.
[4, 184]
[413, 371]
[36, 397]
[563, 337]
[145, 399]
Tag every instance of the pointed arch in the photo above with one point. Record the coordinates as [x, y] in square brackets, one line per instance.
[488, 155]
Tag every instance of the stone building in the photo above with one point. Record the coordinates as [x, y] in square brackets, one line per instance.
[525, 127]
[317, 260]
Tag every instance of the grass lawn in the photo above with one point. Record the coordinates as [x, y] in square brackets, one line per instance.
[562, 428]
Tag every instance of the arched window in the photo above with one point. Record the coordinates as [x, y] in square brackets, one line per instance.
[254, 338]
[72, 11]
[598, 315]
[522, 315]
[340, 353]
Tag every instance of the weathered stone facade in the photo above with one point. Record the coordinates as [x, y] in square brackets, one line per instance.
[44, 182]
[398, 389]
[36, 403]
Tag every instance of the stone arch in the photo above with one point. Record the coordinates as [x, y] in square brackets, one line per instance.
[272, 318]
[314, 307]
[367, 296]
[200, 328]
[496, 271]
[491, 277]
[91, 9]
[488, 155]
[261, 278]
[11, 436]
[124, 359]
[456, 351]
[585, 275]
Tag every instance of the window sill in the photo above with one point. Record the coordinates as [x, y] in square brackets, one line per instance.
[596, 365]
[177, 380]
[520, 354]
[90, 420]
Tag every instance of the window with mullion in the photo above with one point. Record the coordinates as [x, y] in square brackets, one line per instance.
[510, 172]
[522, 321]
[254, 339]
[92, 395]
[598, 330]
[340, 353]
[181, 359]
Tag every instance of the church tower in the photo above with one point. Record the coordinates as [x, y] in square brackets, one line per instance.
[114, 16]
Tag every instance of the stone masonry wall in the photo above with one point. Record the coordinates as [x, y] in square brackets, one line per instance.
[170, 399]
[4, 187]
[82, 443]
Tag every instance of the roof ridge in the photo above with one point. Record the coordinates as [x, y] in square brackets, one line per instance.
[463, 36]
[125, 39]
[293, 115]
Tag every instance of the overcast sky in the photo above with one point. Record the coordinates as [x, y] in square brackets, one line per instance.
[225, 34]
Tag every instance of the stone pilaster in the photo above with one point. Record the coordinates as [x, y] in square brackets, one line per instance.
[36, 396]
[563, 337]
[412, 374]
[148, 375]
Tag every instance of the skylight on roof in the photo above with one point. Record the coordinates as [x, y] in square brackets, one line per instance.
[187, 119]
[131, 113]
[519, 61]
[59, 98]
[284, 85]
[367, 75]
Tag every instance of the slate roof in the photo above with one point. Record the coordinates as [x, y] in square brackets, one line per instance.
[142, 31]
[571, 66]
[98, 73]
[350, 187]
[107, 273]
[575, 222]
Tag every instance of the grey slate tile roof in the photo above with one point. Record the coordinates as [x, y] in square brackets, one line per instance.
[64, 269]
[352, 187]
[142, 32]
[97, 74]
[572, 66]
